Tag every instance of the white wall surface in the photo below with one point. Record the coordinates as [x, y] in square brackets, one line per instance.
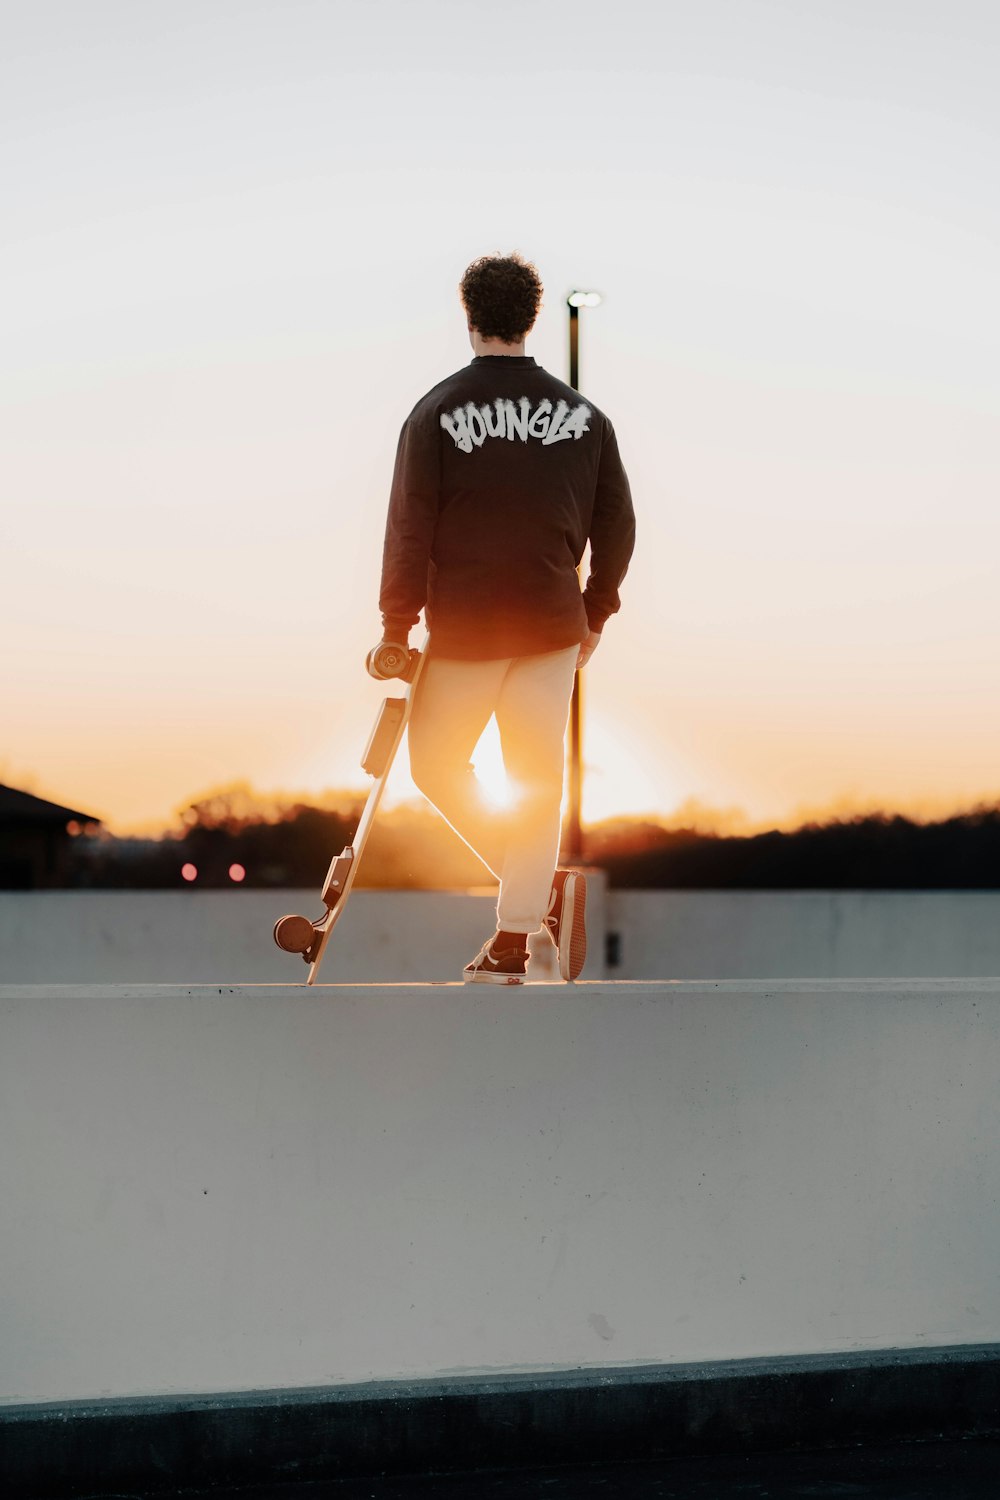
[137, 937]
[218, 1188]
[789, 934]
[190, 936]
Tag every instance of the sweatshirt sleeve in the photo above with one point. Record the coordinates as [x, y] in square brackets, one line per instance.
[409, 527]
[612, 535]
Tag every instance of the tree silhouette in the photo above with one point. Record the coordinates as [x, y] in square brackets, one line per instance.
[411, 848]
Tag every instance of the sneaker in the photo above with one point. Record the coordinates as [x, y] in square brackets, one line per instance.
[506, 967]
[566, 921]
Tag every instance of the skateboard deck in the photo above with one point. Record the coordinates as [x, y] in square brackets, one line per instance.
[294, 934]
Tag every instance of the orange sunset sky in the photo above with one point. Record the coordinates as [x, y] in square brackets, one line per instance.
[231, 240]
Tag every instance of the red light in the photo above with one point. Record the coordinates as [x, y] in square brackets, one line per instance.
[237, 873]
[189, 872]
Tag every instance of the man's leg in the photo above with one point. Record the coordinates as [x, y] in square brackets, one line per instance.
[453, 704]
[531, 715]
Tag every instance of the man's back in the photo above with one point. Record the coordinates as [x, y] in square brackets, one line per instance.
[503, 472]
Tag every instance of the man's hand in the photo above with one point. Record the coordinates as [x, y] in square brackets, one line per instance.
[588, 648]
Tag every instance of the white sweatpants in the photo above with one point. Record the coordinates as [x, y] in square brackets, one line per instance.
[529, 695]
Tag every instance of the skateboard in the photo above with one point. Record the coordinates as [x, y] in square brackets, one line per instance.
[295, 934]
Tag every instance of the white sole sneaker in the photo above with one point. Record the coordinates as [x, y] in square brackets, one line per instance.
[482, 977]
[572, 935]
[485, 970]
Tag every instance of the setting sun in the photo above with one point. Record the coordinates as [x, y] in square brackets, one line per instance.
[620, 774]
[490, 772]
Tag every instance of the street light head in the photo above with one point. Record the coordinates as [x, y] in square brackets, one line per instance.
[584, 299]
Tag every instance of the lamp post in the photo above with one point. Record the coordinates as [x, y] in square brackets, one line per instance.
[574, 830]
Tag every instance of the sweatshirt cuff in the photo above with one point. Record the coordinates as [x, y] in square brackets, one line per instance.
[395, 628]
[596, 621]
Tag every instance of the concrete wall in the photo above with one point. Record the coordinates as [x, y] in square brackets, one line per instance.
[122, 937]
[789, 934]
[134, 937]
[218, 1188]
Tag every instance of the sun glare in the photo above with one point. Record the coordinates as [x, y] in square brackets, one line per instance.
[490, 772]
[619, 780]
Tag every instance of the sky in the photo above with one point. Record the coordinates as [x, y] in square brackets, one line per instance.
[230, 241]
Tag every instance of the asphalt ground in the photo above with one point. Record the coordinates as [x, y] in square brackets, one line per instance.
[904, 1471]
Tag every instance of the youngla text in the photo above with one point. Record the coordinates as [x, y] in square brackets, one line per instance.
[471, 425]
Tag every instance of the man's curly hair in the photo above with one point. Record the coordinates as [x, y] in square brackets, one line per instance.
[502, 295]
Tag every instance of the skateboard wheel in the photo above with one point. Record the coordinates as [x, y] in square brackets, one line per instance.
[387, 661]
[294, 934]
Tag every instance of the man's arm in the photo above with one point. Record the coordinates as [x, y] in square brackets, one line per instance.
[409, 529]
[612, 538]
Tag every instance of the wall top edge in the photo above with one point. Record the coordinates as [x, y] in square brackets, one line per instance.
[481, 1383]
[582, 989]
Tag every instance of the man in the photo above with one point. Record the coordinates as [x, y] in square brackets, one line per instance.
[502, 475]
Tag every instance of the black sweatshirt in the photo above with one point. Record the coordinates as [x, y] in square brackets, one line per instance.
[503, 474]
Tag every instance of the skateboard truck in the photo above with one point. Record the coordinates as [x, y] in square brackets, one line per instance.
[298, 934]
